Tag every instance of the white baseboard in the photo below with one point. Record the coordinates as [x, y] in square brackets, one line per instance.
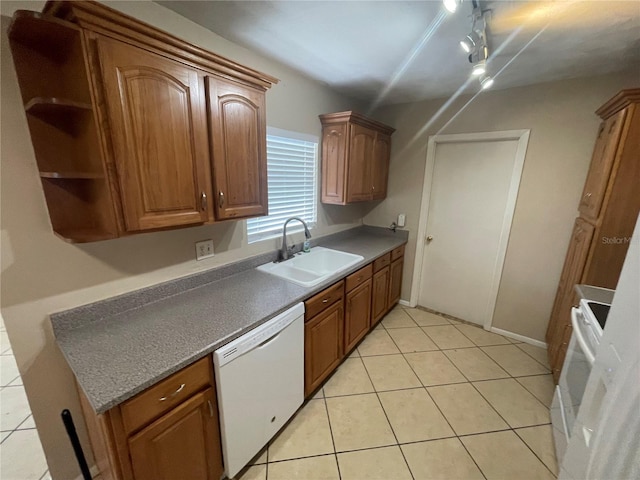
[94, 473]
[522, 338]
[404, 303]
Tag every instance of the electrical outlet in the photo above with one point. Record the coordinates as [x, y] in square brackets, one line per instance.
[402, 219]
[204, 249]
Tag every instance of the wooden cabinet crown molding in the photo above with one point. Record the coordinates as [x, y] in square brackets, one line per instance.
[357, 118]
[94, 16]
[622, 100]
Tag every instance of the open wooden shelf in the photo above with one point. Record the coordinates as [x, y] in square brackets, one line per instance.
[48, 35]
[72, 175]
[65, 114]
[58, 106]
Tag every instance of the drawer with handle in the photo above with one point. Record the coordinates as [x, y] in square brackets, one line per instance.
[359, 277]
[396, 253]
[166, 394]
[380, 263]
[324, 299]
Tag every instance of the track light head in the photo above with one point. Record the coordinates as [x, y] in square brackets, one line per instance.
[486, 82]
[467, 44]
[451, 5]
[479, 68]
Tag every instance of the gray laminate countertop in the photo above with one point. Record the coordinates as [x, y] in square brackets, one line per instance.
[119, 347]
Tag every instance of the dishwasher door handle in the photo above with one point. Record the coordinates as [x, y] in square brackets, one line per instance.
[269, 340]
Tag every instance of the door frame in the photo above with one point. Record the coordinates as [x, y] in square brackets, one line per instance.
[522, 136]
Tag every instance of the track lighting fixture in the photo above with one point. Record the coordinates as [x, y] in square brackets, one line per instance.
[451, 5]
[486, 81]
[475, 43]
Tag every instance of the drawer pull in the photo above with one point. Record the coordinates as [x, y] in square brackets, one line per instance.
[180, 388]
[359, 278]
[325, 300]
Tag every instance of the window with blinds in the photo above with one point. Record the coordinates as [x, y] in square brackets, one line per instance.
[292, 178]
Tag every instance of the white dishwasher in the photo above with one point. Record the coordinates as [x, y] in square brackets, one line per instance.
[260, 383]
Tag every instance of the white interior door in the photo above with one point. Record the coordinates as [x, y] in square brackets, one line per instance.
[470, 201]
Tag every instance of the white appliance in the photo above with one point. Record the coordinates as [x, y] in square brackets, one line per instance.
[605, 441]
[585, 338]
[260, 382]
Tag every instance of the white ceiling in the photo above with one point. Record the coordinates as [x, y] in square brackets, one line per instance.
[386, 52]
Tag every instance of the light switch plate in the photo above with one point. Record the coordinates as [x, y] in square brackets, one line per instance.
[204, 249]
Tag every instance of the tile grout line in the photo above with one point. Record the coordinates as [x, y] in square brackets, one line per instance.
[333, 441]
[527, 353]
[534, 453]
[387, 416]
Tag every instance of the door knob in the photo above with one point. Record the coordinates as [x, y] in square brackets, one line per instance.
[429, 238]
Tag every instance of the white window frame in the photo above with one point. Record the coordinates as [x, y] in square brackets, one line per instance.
[294, 226]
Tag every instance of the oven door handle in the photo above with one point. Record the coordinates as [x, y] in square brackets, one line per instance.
[580, 337]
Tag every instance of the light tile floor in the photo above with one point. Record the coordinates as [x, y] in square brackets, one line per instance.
[422, 397]
[21, 455]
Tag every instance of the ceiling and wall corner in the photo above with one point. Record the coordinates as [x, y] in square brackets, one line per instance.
[563, 128]
[42, 274]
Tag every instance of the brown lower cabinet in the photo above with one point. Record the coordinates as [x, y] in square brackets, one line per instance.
[357, 319]
[380, 295]
[323, 349]
[177, 445]
[395, 277]
[169, 431]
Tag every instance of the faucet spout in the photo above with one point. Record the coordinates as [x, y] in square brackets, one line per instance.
[285, 252]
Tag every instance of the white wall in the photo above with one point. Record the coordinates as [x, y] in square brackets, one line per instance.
[43, 274]
[563, 129]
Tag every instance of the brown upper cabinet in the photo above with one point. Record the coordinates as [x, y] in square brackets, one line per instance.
[134, 129]
[355, 158]
[238, 150]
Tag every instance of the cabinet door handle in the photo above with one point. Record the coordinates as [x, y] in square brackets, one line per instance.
[220, 199]
[203, 201]
[210, 408]
[167, 397]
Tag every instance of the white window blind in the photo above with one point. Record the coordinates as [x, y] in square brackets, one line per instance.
[292, 179]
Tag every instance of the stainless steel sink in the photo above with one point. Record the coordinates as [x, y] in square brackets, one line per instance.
[310, 269]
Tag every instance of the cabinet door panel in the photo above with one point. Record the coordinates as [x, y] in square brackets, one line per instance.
[380, 167]
[604, 153]
[380, 295]
[358, 315]
[359, 171]
[395, 282]
[156, 113]
[185, 443]
[571, 274]
[239, 152]
[323, 350]
[334, 145]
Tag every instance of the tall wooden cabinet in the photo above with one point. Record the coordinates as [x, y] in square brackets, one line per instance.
[134, 129]
[608, 211]
[355, 158]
